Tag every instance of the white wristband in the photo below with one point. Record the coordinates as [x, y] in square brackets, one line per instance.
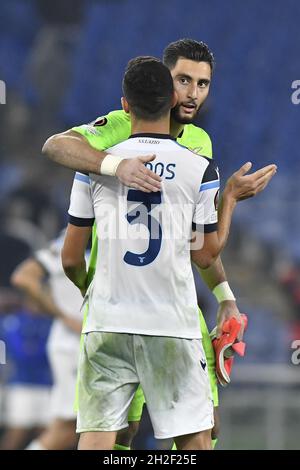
[109, 165]
[223, 292]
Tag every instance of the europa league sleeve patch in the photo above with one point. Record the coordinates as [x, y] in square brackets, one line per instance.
[100, 122]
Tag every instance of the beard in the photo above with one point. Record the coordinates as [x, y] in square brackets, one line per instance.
[175, 114]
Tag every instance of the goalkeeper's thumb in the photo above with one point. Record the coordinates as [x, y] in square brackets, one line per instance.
[147, 158]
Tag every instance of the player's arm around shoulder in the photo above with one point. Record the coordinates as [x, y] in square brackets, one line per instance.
[72, 150]
[82, 149]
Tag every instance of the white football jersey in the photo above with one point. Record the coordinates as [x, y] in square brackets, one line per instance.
[143, 282]
[66, 296]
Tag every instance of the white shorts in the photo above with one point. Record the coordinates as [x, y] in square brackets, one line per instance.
[26, 406]
[64, 372]
[172, 373]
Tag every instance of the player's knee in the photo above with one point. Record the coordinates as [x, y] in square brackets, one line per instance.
[216, 429]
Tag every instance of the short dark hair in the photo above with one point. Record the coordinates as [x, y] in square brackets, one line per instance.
[187, 49]
[148, 87]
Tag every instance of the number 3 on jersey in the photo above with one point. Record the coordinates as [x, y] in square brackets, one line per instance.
[141, 215]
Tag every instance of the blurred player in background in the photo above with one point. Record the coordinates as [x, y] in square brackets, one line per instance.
[43, 279]
[191, 65]
[27, 378]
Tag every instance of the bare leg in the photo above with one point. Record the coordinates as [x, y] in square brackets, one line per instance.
[15, 438]
[60, 435]
[216, 429]
[196, 441]
[104, 440]
[126, 436]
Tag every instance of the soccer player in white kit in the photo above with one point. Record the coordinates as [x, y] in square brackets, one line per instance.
[42, 278]
[143, 324]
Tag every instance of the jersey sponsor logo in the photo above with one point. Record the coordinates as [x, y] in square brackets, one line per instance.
[148, 141]
[100, 122]
[164, 171]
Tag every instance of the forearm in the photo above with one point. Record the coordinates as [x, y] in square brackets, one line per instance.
[46, 304]
[77, 274]
[41, 296]
[225, 212]
[216, 280]
[214, 274]
[73, 152]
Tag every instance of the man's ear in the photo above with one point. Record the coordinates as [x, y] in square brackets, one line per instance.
[175, 99]
[125, 105]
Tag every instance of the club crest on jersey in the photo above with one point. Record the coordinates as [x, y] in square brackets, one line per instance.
[100, 122]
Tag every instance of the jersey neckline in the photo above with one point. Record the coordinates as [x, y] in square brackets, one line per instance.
[152, 134]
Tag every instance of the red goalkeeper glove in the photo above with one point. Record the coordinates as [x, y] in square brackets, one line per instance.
[226, 346]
